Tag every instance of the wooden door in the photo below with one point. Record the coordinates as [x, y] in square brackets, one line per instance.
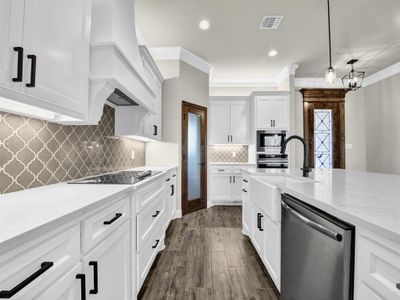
[194, 157]
[324, 108]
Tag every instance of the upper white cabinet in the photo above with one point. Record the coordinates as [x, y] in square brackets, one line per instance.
[272, 112]
[229, 121]
[44, 56]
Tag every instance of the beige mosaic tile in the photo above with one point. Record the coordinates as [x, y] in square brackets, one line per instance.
[224, 153]
[36, 153]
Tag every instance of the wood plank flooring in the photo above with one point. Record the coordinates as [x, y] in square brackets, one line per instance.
[208, 257]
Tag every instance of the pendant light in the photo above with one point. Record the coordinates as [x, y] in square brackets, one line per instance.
[354, 79]
[330, 73]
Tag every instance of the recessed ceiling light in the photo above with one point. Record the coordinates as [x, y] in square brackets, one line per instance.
[272, 53]
[204, 24]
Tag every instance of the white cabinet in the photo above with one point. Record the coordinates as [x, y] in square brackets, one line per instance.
[220, 188]
[111, 262]
[54, 39]
[229, 122]
[272, 112]
[247, 210]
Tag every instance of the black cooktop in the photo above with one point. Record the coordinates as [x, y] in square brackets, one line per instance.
[123, 177]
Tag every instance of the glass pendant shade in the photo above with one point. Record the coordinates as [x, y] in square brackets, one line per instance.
[330, 76]
[354, 79]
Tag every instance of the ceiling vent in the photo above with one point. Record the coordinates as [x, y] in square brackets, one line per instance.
[271, 22]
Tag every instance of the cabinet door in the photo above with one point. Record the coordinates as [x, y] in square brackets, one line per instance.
[236, 188]
[219, 122]
[280, 113]
[58, 33]
[239, 122]
[113, 260]
[11, 28]
[247, 216]
[272, 251]
[67, 287]
[258, 230]
[172, 199]
[264, 113]
[221, 188]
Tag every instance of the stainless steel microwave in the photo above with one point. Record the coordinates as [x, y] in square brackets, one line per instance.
[270, 141]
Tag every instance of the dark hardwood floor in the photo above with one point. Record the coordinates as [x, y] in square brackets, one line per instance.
[208, 257]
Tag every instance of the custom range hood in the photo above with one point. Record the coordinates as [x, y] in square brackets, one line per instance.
[117, 74]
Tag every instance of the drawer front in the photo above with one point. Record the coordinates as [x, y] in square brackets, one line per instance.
[147, 254]
[220, 169]
[99, 225]
[266, 197]
[149, 220]
[238, 169]
[148, 193]
[378, 265]
[43, 261]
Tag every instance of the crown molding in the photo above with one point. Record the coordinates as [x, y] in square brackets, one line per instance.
[179, 53]
[316, 83]
[286, 72]
[383, 74]
[242, 83]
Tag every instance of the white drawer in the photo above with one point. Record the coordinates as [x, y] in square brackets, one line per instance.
[104, 221]
[146, 256]
[149, 220]
[238, 169]
[220, 169]
[378, 265]
[51, 255]
[149, 192]
[267, 197]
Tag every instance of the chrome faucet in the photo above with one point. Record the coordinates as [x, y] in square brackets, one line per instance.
[306, 169]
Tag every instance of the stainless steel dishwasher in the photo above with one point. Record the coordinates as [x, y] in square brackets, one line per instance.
[317, 261]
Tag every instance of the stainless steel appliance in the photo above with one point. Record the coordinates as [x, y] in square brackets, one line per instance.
[272, 161]
[123, 177]
[317, 258]
[270, 141]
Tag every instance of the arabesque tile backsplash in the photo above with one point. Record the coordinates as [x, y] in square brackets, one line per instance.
[36, 153]
[226, 153]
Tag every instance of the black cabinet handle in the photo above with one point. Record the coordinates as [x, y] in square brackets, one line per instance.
[244, 190]
[259, 216]
[230, 179]
[20, 64]
[156, 214]
[33, 70]
[155, 246]
[245, 180]
[95, 265]
[398, 286]
[234, 179]
[117, 216]
[82, 278]
[174, 175]
[155, 132]
[168, 179]
[44, 266]
[172, 190]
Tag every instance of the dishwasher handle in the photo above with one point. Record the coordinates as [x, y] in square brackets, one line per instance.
[326, 231]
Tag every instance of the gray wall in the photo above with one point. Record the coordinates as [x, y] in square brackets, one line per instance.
[192, 86]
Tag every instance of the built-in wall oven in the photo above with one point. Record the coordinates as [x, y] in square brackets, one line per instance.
[270, 141]
[272, 161]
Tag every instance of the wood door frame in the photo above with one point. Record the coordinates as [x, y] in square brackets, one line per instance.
[327, 97]
[186, 108]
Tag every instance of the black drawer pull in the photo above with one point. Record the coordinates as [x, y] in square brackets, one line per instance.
[82, 278]
[44, 266]
[174, 175]
[155, 246]
[20, 64]
[244, 190]
[259, 216]
[245, 180]
[117, 216]
[398, 286]
[156, 214]
[155, 132]
[172, 190]
[95, 265]
[33, 71]
[168, 179]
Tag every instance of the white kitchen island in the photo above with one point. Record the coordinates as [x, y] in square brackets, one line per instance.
[369, 201]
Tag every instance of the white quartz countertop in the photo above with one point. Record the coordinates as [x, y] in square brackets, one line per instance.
[38, 208]
[371, 200]
[232, 163]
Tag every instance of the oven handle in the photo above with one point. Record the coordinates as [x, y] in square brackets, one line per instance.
[326, 231]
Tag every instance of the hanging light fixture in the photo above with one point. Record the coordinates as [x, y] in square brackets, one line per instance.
[354, 79]
[330, 73]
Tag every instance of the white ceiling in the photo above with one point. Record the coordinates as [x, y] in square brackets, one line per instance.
[365, 29]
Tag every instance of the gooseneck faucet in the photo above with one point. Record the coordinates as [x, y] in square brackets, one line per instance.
[306, 169]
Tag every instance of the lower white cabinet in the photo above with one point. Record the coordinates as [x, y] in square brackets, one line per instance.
[108, 267]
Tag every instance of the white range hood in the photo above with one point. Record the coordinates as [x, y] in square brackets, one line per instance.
[115, 62]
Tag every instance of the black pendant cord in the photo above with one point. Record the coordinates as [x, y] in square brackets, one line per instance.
[329, 33]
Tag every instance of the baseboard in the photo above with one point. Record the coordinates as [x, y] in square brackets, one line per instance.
[178, 214]
[224, 204]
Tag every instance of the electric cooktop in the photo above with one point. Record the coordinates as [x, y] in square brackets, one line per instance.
[123, 177]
